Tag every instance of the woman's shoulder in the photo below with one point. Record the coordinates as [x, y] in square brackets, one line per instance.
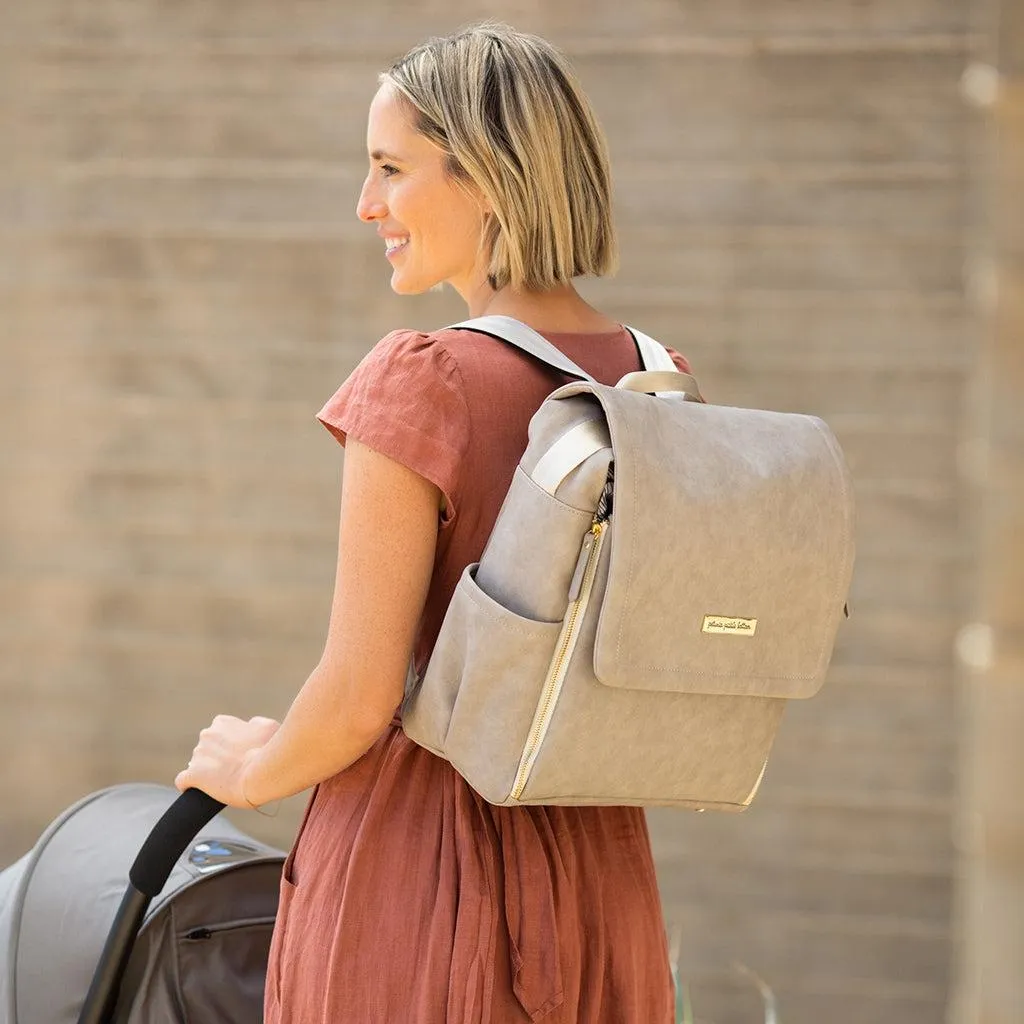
[440, 342]
[457, 353]
[447, 340]
[453, 351]
[413, 340]
[411, 352]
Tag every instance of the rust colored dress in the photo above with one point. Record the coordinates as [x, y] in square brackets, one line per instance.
[407, 898]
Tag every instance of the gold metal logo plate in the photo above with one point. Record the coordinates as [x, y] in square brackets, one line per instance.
[729, 624]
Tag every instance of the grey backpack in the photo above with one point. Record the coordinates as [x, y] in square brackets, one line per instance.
[662, 577]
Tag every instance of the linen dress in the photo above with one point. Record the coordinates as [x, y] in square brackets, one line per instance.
[406, 897]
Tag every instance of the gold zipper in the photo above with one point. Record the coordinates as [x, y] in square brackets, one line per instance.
[579, 590]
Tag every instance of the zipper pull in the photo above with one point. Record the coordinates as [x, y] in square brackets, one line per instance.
[581, 563]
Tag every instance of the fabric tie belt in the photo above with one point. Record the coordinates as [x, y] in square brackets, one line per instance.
[532, 927]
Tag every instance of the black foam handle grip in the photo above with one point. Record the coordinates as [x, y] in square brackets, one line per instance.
[170, 836]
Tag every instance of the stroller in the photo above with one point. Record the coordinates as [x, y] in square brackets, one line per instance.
[180, 935]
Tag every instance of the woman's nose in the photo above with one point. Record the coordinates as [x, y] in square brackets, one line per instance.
[370, 206]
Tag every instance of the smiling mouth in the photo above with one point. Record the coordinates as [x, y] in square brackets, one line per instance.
[395, 246]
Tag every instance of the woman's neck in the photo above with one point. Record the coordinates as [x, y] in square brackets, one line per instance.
[558, 311]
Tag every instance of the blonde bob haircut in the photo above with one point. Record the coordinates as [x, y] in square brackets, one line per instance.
[514, 122]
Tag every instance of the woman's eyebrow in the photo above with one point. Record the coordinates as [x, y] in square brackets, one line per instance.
[381, 154]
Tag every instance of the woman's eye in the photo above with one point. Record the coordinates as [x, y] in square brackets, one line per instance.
[387, 170]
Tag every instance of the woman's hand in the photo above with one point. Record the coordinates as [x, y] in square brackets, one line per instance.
[218, 763]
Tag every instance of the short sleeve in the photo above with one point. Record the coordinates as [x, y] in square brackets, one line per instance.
[406, 401]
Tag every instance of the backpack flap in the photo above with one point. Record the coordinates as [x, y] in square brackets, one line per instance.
[731, 548]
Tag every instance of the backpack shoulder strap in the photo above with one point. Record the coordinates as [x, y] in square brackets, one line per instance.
[516, 333]
[654, 355]
[507, 328]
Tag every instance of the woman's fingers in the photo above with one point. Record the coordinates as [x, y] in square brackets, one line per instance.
[216, 760]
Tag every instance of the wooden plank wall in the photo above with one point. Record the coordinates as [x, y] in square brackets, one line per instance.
[183, 282]
[989, 986]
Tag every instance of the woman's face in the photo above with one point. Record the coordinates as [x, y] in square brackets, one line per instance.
[431, 226]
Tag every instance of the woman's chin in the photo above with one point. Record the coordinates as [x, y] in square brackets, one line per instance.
[404, 286]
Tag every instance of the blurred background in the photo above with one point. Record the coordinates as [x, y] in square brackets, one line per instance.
[819, 203]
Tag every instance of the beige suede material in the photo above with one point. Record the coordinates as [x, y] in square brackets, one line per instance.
[736, 513]
[545, 553]
[719, 514]
[477, 699]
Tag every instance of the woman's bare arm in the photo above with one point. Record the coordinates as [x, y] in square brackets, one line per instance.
[386, 547]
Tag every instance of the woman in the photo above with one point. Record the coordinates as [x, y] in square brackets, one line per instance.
[407, 897]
